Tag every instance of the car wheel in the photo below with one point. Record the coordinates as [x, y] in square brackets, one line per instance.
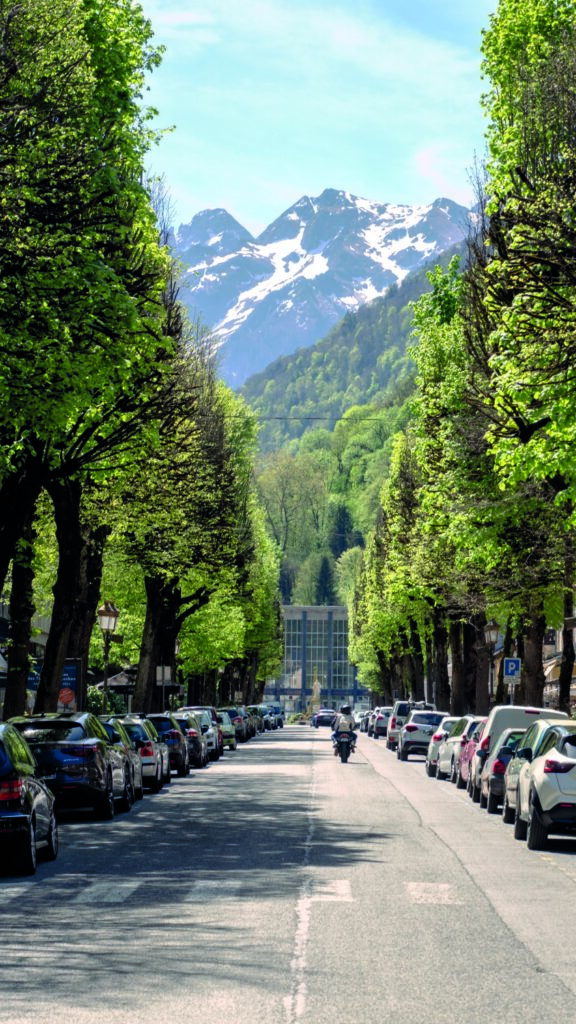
[139, 790]
[520, 827]
[127, 794]
[536, 833]
[492, 803]
[403, 755]
[51, 850]
[166, 781]
[452, 773]
[104, 807]
[507, 812]
[182, 769]
[27, 859]
[475, 793]
[233, 745]
[439, 773]
[483, 800]
[388, 745]
[430, 769]
[460, 784]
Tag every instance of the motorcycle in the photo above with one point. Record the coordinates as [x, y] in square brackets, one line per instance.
[344, 745]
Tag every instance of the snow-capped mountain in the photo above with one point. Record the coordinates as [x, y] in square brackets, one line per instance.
[324, 256]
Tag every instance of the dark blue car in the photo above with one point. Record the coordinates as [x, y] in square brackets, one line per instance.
[27, 821]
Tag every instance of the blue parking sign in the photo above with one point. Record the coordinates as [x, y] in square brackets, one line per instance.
[511, 668]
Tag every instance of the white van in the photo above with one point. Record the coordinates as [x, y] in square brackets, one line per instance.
[512, 716]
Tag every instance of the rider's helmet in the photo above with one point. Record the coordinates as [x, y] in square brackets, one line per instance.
[345, 709]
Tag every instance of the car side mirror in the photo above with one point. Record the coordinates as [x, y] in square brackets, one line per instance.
[525, 753]
[204, 728]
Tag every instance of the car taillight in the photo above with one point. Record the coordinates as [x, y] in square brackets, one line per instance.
[463, 741]
[499, 767]
[485, 743]
[147, 750]
[393, 722]
[437, 737]
[379, 718]
[84, 751]
[173, 734]
[192, 733]
[410, 728]
[11, 790]
[237, 721]
[556, 767]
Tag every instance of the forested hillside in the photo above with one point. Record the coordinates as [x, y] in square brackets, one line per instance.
[362, 360]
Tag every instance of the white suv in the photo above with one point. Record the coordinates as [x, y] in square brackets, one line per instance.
[400, 712]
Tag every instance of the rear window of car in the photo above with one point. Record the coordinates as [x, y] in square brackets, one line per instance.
[136, 731]
[426, 718]
[162, 725]
[51, 732]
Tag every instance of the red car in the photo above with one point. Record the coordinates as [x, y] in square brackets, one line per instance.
[470, 766]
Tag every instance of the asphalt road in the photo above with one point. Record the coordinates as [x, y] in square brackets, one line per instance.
[282, 887]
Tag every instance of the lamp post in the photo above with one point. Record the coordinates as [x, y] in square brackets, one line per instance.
[491, 634]
[107, 617]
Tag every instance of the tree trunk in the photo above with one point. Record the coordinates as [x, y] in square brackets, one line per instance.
[19, 493]
[519, 692]
[456, 651]
[145, 685]
[88, 600]
[416, 663]
[386, 677]
[568, 653]
[66, 496]
[502, 693]
[441, 692]
[533, 647]
[21, 611]
[470, 668]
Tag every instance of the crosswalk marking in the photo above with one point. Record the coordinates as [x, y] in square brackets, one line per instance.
[433, 893]
[107, 892]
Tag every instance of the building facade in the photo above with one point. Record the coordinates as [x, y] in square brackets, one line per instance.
[316, 669]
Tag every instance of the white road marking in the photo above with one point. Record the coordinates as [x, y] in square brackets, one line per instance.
[433, 893]
[337, 891]
[215, 889]
[109, 891]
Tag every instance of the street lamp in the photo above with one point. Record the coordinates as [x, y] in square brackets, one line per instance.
[491, 634]
[107, 617]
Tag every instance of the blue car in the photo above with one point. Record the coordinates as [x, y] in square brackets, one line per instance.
[27, 821]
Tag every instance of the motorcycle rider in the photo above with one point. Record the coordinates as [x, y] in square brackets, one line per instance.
[343, 722]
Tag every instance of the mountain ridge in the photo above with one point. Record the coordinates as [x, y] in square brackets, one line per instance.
[324, 256]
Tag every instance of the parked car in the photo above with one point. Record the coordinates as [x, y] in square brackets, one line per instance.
[209, 728]
[494, 769]
[77, 760]
[153, 753]
[400, 712]
[512, 716]
[380, 723]
[436, 739]
[279, 712]
[364, 720]
[256, 711]
[239, 721]
[121, 740]
[415, 735]
[475, 765]
[546, 792]
[467, 756]
[228, 730]
[27, 819]
[449, 751]
[168, 728]
[195, 738]
[524, 754]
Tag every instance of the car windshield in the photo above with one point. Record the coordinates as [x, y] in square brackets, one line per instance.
[51, 732]
[162, 725]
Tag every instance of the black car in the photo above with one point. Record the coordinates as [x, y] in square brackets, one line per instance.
[325, 716]
[171, 734]
[27, 822]
[192, 729]
[78, 762]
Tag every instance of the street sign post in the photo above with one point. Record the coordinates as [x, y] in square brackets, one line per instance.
[512, 667]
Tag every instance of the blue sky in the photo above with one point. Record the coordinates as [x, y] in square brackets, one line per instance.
[274, 99]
